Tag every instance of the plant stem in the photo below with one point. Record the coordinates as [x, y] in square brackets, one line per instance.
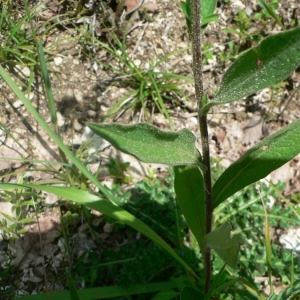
[202, 118]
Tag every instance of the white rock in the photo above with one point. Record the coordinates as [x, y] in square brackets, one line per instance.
[291, 239]
[237, 5]
[60, 119]
[58, 61]
[18, 104]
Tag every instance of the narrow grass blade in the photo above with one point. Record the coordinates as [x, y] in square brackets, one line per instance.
[105, 292]
[271, 12]
[52, 135]
[160, 103]
[72, 288]
[215, 283]
[266, 156]
[268, 246]
[114, 211]
[48, 88]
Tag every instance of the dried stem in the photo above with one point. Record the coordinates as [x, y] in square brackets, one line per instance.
[197, 68]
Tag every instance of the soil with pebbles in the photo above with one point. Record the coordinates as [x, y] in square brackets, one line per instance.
[84, 90]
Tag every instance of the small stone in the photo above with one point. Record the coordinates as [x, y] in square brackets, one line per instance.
[77, 125]
[60, 120]
[18, 104]
[58, 61]
[91, 113]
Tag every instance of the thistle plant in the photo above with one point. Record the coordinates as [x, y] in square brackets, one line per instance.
[270, 62]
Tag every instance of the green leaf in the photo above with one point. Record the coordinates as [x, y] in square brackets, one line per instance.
[209, 19]
[190, 293]
[270, 62]
[150, 144]
[207, 8]
[106, 207]
[67, 152]
[270, 10]
[259, 161]
[72, 288]
[104, 292]
[207, 12]
[189, 190]
[227, 247]
[165, 295]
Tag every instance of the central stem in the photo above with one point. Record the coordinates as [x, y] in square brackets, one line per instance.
[202, 118]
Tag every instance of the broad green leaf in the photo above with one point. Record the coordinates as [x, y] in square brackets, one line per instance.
[271, 61]
[104, 292]
[190, 293]
[150, 144]
[227, 247]
[207, 8]
[106, 207]
[189, 190]
[259, 161]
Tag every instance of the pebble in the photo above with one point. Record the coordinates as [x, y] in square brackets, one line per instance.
[58, 61]
[91, 113]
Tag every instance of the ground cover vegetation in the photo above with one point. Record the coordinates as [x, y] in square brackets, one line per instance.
[170, 224]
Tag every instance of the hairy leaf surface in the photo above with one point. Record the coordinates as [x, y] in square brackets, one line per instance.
[150, 144]
[259, 161]
[271, 61]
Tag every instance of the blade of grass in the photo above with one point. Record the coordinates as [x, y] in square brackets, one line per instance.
[48, 87]
[160, 103]
[105, 292]
[82, 197]
[268, 246]
[55, 138]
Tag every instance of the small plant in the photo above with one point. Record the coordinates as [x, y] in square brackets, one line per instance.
[151, 87]
[193, 183]
[198, 197]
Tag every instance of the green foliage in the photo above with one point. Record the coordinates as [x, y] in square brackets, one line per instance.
[207, 16]
[12, 225]
[151, 86]
[259, 67]
[117, 169]
[190, 195]
[224, 244]
[247, 216]
[17, 43]
[162, 251]
[189, 293]
[171, 148]
[271, 153]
